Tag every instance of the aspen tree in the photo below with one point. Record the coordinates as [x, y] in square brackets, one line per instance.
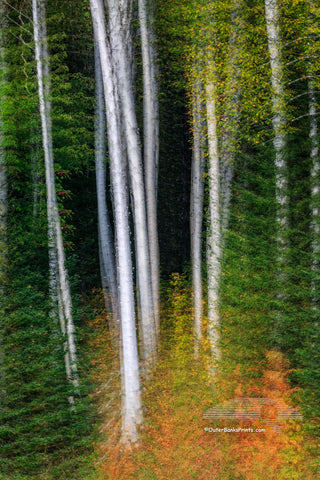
[196, 209]
[128, 117]
[131, 395]
[279, 123]
[59, 283]
[150, 143]
[106, 248]
[214, 221]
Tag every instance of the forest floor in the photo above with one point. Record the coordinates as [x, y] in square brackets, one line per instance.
[175, 445]
[176, 442]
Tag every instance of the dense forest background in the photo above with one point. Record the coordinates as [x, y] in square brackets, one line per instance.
[187, 129]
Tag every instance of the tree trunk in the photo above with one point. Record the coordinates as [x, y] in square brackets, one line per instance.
[60, 289]
[196, 212]
[106, 248]
[151, 145]
[279, 123]
[214, 229]
[136, 180]
[131, 402]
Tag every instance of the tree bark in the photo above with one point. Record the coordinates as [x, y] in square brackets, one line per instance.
[151, 145]
[196, 212]
[59, 284]
[131, 401]
[279, 123]
[106, 247]
[214, 228]
[137, 183]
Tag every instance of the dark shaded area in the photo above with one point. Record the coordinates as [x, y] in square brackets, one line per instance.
[175, 153]
[174, 186]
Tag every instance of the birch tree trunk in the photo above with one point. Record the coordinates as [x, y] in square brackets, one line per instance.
[196, 212]
[118, 48]
[279, 123]
[106, 248]
[59, 284]
[151, 145]
[214, 228]
[131, 402]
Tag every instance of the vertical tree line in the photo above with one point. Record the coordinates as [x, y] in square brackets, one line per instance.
[89, 98]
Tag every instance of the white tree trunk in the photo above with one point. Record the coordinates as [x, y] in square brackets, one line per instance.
[106, 247]
[196, 213]
[214, 228]
[131, 406]
[151, 145]
[137, 182]
[58, 274]
[279, 119]
[279, 127]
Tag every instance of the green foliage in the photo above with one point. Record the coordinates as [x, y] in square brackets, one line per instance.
[40, 435]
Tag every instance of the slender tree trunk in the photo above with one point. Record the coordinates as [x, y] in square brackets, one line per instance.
[137, 182]
[196, 212]
[60, 289]
[214, 228]
[151, 145]
[279, 123]
[106, 250]
[131, 405]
